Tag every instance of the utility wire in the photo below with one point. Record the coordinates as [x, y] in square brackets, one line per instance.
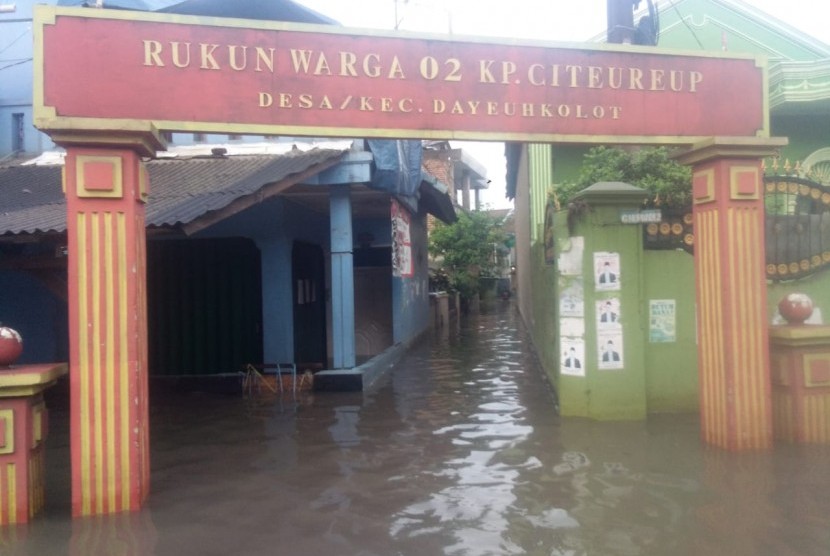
[686, 23]
[15, 64]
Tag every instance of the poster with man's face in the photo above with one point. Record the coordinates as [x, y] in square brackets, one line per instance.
[573, 357]
[606, 271]
[608, 314]
[610, 350]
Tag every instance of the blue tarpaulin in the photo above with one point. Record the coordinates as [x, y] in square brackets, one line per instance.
[397, 169]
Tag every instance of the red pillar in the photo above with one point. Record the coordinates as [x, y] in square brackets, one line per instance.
[105, 191]
[736, 412]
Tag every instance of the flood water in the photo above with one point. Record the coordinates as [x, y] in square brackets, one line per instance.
[458, 451]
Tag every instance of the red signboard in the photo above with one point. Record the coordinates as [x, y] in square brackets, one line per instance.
[238, 76]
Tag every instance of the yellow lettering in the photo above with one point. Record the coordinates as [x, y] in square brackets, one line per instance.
[695, 79]
[438, 106]
[485, 73]
[326, 103]
[285, 100]
[265, 100]
[347, 62]
[635, 78]
[305, 100]
[532, 75]
[301, 59]
[492, 108]
[322, 66]
[232, 57]
[594, 77]
[266, 57]
[574, 72]
[177, 61]
[405, 105]
[371, 65]
[208, 61]
[152, 54]
[615, 77]
[386, 104]
[657, 83]
[395, 70]
[366, 104]
[507, 71]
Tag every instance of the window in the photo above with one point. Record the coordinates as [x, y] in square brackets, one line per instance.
[198, 137]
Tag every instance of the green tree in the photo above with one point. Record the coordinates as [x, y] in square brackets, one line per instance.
[467, 250]
[669, 182]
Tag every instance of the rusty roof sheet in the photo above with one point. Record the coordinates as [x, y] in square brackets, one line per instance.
[181, 190]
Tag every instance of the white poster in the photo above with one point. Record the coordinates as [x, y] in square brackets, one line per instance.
[401, 242]
[570, 258]
[610, 350]
[573, 356]
[606, 271]
[608, 314]
[572, 300]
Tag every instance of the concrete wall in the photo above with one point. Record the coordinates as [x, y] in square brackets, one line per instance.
[671, 365]
[410, 295]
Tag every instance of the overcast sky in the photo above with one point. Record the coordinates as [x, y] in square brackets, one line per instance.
[548, 20]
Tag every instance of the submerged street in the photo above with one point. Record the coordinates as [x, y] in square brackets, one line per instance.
[458, 451]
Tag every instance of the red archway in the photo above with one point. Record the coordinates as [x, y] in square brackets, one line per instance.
[108, 82]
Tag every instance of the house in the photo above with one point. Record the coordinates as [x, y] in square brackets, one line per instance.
[238, 257]
[239, 236]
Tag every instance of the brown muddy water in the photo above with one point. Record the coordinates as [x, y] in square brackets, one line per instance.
[458, 451]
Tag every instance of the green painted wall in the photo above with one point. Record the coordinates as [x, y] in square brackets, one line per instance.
[671, 368]
[610, 393]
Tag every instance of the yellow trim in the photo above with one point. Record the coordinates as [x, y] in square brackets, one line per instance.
[124, 404]
[97, 372]
[117, 190]
[83, 370]
[11, 477]
[762, 62]
[37, 424]
[709, 176]
[52, 12]
[109, 138]
[110, 373]
[7, 416]
[734, 172]
[809, 359]
[143, 183]
[36, 380]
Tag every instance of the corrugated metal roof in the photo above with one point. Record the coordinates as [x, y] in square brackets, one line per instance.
[181, 190]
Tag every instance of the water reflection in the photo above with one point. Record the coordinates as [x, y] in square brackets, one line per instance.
[458, 452]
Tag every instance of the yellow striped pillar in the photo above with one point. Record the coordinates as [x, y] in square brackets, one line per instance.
[105, 191]
[733, 352]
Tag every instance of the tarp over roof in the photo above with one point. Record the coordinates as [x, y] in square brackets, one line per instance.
[181, 190]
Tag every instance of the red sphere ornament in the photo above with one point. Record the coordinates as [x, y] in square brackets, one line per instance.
[11, 346]
[795, 308]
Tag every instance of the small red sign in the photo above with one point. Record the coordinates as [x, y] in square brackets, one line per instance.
[199, 74]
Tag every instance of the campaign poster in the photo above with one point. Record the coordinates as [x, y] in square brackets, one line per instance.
[573, 356]
[606, 271]
[610, 350]
[662, 321]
